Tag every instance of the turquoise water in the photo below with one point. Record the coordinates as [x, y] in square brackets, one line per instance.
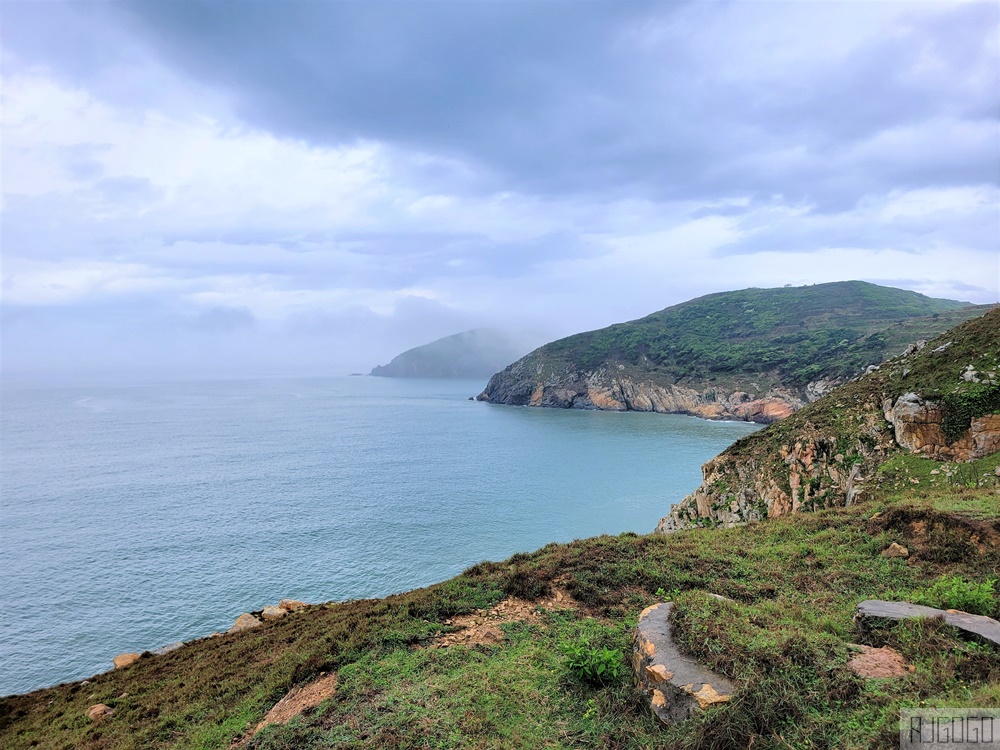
[137, 516]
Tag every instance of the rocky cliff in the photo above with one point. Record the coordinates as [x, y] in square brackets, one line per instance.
[940, 400]
[756, 354]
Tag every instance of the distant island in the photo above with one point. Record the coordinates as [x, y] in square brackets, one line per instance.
[753, 354]
[471, 354]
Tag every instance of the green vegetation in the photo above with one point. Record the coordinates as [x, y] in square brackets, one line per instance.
[785, 640]
[954, 592]
[471, 354]
[796, 334]
[597, 666]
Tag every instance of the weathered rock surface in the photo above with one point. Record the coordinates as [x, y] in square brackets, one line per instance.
[124, 660]
[610, 389]
[869, 612]
[273, 613]
[895, 550]
[99, 712]
[677, 686]
[244, 622]
[918, 426]
[167, 649]
[292, 605]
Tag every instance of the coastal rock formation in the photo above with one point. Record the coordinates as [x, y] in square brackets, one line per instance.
[124, 660]
[755, 354]
[244, 622]
[918, 426]
[607, 391]
[677, 686]
[825, 454]
[292, 605]
[273, 613]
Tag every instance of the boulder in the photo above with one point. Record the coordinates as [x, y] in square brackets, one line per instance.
[244, 622]
[895, 550]
[124, 660]
[99, 712]
[677, 686]
[167, 649]
[871, 611]
[273, 613]
[292, 605]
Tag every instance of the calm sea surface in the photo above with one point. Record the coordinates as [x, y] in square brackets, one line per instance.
[132, 517]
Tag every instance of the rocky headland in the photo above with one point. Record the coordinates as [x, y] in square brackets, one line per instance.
[756, 355]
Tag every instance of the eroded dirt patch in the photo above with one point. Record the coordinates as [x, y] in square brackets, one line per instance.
[483, 626]
[878, 662]
[294, 703]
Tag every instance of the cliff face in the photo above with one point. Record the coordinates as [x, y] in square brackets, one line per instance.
[941, 401]
[755, 354]
[613, 389]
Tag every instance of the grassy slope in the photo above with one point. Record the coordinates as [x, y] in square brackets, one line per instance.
[795, 581]
[786, 336]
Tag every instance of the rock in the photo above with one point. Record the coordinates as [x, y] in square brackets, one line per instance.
[878, 662]
[273, 613]
[167, 649]
[919, 427]
[124, 660]
[292, 605]
[99, 712]
[677, 686]
[895, 550]
[869, 612]
[244, 622]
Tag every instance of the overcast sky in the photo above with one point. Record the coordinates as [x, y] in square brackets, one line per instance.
[238, 187]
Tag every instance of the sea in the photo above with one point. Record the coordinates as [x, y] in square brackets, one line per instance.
[133, 516]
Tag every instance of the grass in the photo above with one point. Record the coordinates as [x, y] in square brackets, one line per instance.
[785, 641]
[757, 339]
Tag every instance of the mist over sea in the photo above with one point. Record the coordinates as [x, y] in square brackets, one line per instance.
[135, 516]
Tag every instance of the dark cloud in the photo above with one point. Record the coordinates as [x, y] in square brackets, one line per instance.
[604, 97]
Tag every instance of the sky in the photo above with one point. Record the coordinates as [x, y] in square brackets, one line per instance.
[240, 188]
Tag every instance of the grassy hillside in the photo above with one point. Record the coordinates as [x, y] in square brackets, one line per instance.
[712, 355]
[472, 354]
[801, 333]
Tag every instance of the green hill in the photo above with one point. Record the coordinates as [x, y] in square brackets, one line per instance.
[751, 354]
[472, 354]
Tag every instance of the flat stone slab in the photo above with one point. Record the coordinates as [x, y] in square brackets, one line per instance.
[677, 686]
[981, 627]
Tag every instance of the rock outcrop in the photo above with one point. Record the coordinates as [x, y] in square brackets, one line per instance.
[825, 454]
[244, 622]
[677, 686]
[99, 712]
[870, 612]
[605, 390]
[918, 426]
[123, 660]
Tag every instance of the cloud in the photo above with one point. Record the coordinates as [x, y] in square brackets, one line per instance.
[265, 176]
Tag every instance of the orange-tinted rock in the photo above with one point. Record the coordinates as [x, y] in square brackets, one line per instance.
[895, 550]
[100, 712]
[244, 622]
[292, 605]
[273, 613]
[124, 660]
